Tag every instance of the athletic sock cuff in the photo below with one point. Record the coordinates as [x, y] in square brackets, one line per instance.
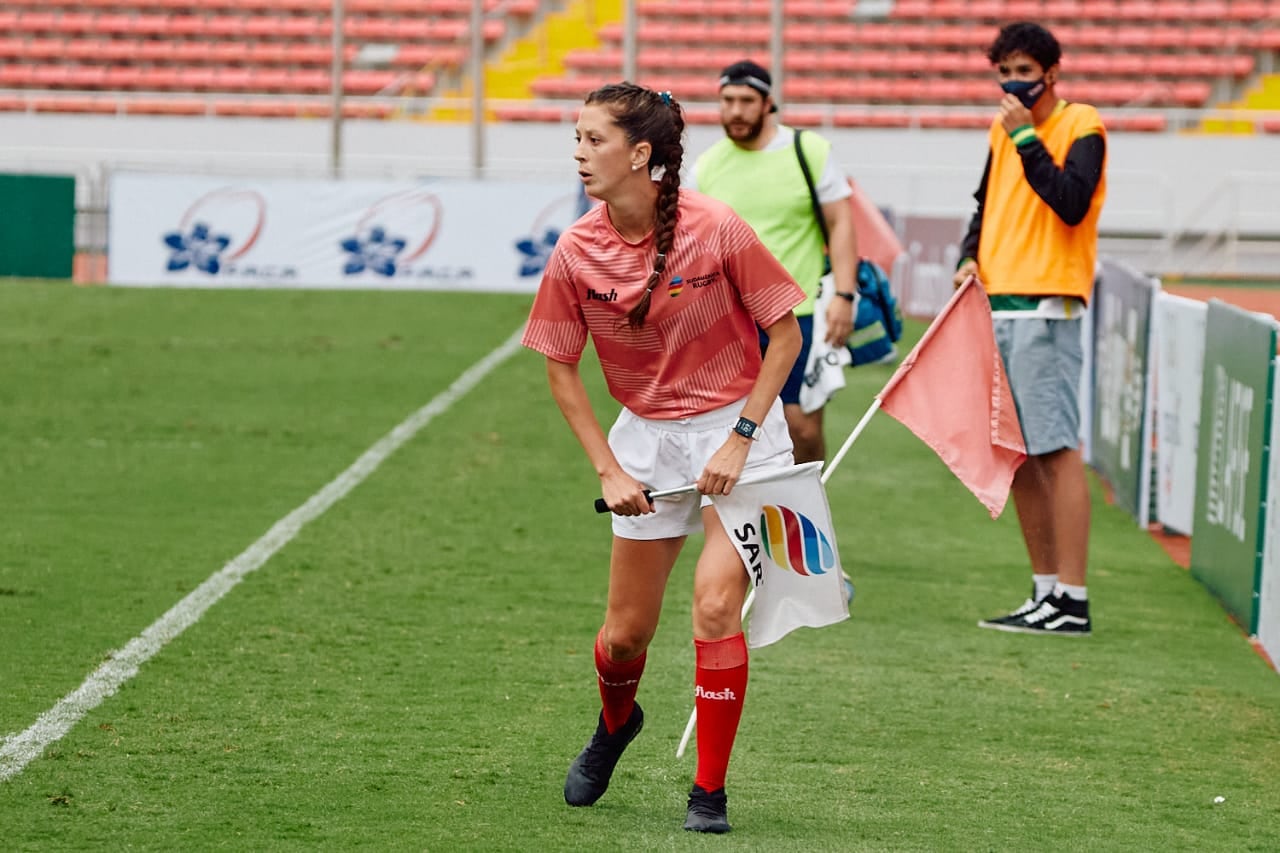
[729, 653]
[616, 670]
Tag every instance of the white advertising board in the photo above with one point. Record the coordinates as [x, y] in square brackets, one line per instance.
[202, 231]
[1179, 374]
[1268, 632]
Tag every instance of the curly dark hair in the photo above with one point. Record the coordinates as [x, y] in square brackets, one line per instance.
[648, 116]
[1025, 37]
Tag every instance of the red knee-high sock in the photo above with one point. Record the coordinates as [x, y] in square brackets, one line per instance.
[618, 685]
[719, 689]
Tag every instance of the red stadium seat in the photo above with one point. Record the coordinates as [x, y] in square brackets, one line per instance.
[1249, 11]
[1157, 53]
[804, 118]
[533, 114]
[166, 106]
[1142, 122]
[871, 118]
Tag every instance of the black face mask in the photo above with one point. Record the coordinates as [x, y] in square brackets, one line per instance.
[1026, 92]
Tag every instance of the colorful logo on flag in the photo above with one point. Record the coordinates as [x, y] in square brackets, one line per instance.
[794, 542]
[676, 285]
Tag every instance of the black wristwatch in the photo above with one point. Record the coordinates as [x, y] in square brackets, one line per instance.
[746, 428]
[848, 296]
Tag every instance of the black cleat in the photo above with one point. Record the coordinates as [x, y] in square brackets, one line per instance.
[1059, 615]
[708, 811]
[1028, 606]
[590, 772]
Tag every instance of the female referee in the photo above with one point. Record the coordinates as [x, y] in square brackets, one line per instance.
[671, 286]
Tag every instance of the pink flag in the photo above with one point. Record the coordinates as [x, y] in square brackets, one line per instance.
[952, 392]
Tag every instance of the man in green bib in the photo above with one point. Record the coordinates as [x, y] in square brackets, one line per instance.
[756, 171]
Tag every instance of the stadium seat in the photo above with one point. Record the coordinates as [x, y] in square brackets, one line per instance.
[871, 118]
[1145, 122]
[166, 106]
[519, 113]
[805, 118]
[702, 116]
[75, 104]
[1144, 52]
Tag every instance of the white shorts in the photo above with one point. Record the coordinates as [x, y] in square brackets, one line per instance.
[670, 454]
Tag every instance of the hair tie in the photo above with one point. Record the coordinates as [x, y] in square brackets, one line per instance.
[666, 97]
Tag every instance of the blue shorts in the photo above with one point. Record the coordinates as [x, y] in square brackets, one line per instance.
[791, 391]
[1044, 359]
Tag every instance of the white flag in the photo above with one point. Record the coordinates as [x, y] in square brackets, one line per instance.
[781, 525]
[824, 369]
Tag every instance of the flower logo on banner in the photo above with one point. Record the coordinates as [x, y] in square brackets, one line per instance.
[376, 253]
[199, 243]
[393, 233]
[535, 250]
[198, 248]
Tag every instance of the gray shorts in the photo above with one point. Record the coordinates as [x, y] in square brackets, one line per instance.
[670, 454]
[1044, 359]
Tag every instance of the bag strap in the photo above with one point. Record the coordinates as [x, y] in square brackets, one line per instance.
[813, 191]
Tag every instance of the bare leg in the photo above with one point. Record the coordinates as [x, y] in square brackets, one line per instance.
[1051, 494]
[806, 433]
[638, 572]
[719, 584]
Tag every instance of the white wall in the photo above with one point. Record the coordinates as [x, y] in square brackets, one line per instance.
[1157, 182]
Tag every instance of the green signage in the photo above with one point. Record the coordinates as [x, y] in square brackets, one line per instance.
[1122, 305]
[37, 225]
[1232, 457]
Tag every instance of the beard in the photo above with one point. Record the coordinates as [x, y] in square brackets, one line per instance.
[747, 132]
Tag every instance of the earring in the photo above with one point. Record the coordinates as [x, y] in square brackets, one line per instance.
[635, 167]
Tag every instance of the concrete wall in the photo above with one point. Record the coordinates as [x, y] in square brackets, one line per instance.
[1158, 182]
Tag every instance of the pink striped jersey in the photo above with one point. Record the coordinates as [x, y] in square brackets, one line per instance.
[698, 348]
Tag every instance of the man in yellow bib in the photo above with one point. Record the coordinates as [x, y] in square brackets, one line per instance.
[1033, 243]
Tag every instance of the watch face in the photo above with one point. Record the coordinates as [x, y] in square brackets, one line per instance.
[745, 427]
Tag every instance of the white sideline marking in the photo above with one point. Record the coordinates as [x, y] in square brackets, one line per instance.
[19, 750]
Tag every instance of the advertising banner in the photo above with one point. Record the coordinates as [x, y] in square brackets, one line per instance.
[1179, 369]
[1120, 448]
[37, 225]
[200, 231]
[1232, 456]
[1267, 628]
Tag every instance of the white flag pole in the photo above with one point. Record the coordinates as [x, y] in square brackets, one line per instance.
[746, 605]
[848, 442]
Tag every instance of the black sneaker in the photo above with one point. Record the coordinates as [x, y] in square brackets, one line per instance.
[590, 772]
[708, 811]
[1057, 614]
[1016, 616]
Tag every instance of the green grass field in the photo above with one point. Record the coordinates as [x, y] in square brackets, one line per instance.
[413, 671]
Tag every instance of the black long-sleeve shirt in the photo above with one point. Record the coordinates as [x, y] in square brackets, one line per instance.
[1068, 191]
